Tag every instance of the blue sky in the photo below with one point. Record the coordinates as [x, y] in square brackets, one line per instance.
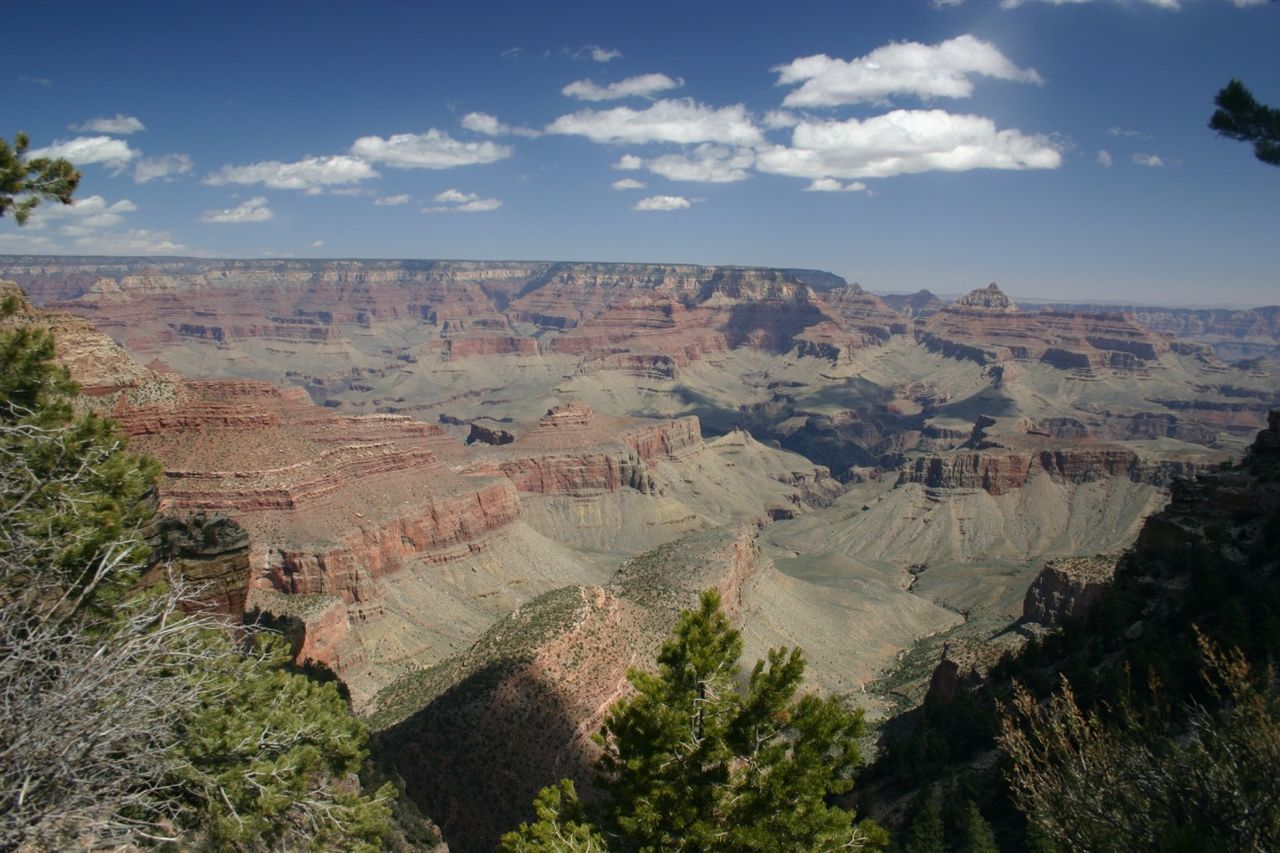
[1059, 148]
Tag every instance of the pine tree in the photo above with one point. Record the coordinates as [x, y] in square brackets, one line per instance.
[127, 721]
[1240, 116]
[694, 762]
[925, 832]
[973, 833]
[562, 825]
[25, 183]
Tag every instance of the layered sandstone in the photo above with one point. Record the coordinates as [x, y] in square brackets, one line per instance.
[987, 327]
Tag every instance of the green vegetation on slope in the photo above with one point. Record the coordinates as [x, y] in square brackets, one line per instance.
[695, 761]
[127, 721]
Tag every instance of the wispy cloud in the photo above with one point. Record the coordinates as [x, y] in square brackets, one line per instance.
[627, 184]
[456, 201]
[1151, 160]
[392, 200]
[250, 210]
[491, 126]
[165, 167]
[640, 86]
[594, 53]
[119, 124]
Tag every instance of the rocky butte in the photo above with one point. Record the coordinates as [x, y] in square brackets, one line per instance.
[479, 491]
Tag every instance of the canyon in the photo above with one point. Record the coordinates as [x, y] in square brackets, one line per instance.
[479, 491]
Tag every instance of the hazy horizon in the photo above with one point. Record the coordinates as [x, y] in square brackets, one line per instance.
[1062, 148]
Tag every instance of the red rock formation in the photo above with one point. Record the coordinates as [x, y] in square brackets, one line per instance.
[987, 327]
[575, 451]
[594, 311]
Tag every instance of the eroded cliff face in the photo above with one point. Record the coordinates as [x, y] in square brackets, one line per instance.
[522, 704]
[1067, 588]
[988, 328]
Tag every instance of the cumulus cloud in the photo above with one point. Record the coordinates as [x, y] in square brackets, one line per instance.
[1104, 158]
[250, 210]
[627, 184]
[491, 126]
[777, 119]
[119, 124]
[905, 142]
[82, 216]
[831, 185]
[392, 200]
[165, 167]
[456, 201]
[434, 149]
[661, 202]
[683, 122]
[84, 150]
[642, 86]
[311, 174]
[1148, 160]
[941, 70]
[708, 163]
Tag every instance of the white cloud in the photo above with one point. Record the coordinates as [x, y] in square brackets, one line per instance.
[707, 163]
[456, 201]
[138, 241]
[392, 200]
[627, 184]
[1104, 158]
[942, 4]
[82, 216]
[250, 210]
[593, 52]
[683, 121]
[831, 185]
[483, 123]
[119, 124]
[491, 126]
[434, 149]
[317, 244]
[84, 150]
[777, 119]
[629, 163]
[899, 68]
[642, 86]
[905, 142]
[311, 174]
[1148, 160]
[166, 166]
[661, 202]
